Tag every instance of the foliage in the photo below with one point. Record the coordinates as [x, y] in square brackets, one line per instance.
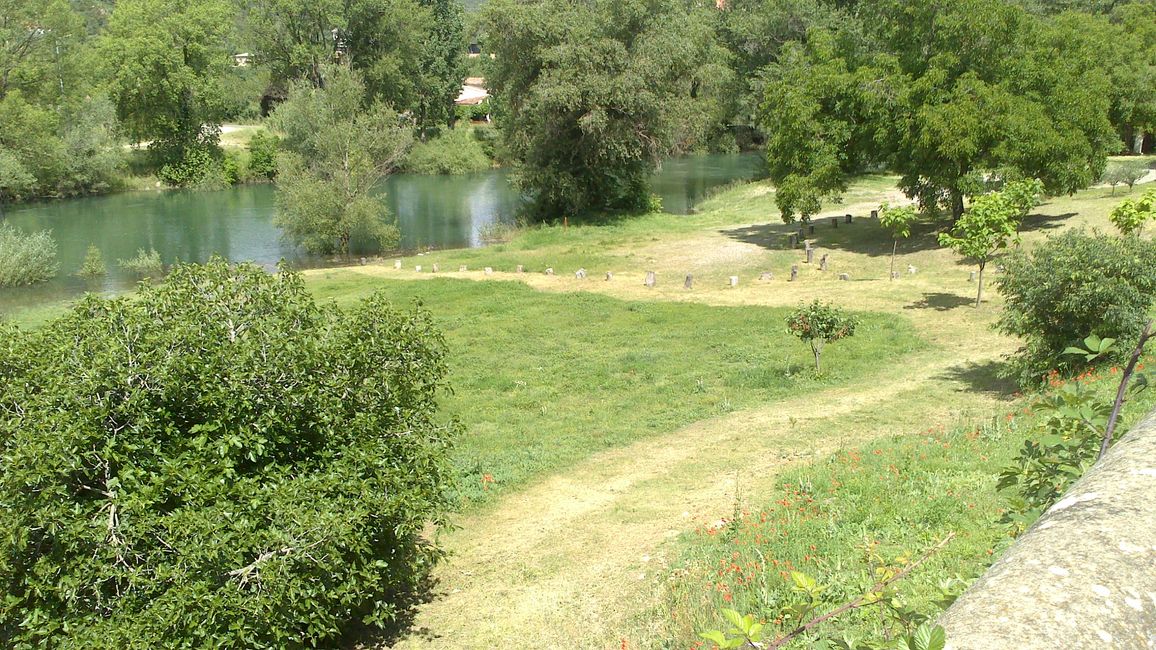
[218, 462]
[820, 323]
[146, 264]
[898, 222]
[1130, 216]
[589, 97]
[454, 151]
[998, 91]
[25, 258]
[263, 155]
[1072, 285]
[93, 264]
[1126, 173]
[983, 230]
[409, 53]
[335, 154]
[179, 48]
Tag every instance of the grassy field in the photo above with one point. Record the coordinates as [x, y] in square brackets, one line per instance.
[624, 442]
[544, 380]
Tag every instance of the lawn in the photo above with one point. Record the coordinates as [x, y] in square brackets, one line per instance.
[543, 380]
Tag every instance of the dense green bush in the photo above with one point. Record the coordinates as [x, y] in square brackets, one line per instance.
[25, 258]
[263, 155]
[455, 151]
[1073, 285]
[217, 463]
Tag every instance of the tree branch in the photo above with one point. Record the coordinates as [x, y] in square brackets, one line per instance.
[1123, 389]
[858, 602]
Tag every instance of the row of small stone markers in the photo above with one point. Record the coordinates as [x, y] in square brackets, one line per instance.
[733, 281]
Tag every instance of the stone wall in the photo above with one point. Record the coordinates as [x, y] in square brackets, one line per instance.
[1084, 576]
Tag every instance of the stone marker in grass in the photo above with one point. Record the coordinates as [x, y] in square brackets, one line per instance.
[794, 273]
[844, 276]
[651, 279]
[689, 282]
[580, 274]
[823, 262]
[734, 280]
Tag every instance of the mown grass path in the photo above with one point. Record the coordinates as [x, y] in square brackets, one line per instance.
[569, 561]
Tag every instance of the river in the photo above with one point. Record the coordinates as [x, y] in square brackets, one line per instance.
[237, 223]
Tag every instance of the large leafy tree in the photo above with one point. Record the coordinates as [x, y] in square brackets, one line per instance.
[336, 152]
[590, 95]
[410, 53]
[166, 60]
[945, 94]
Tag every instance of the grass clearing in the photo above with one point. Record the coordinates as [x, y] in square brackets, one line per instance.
[544, 380]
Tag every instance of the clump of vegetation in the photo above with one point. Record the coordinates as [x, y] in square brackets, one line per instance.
[146, 264]
[93, 264]
[1130, 216]
[1072, 285]
[455, 151]
[25, 258]
[218, 462]
[263, 155]
[820, 323]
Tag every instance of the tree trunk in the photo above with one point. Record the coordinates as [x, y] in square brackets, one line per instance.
[894, 246]
[1138, 142]
[979, 294]
[817, 348]
[956, 205]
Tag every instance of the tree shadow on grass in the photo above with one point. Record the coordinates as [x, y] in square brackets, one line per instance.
[940, 301]
[1042, 222]
[982, 377]
[863, 235]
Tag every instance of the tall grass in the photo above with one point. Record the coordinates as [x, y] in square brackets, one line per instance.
[25, 258]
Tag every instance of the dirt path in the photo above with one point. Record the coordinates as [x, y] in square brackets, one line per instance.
[568, 562]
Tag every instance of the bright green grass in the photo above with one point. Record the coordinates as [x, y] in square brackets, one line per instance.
[543, 380]
[838, 518]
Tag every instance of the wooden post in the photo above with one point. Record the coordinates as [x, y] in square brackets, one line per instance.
[823, 262]
[849, 217]
[810, 255]
[689, 282]
[794, 273]
[397, 264]
[651, 279]
[609, 276]
[734, 281]
[519, 269]
[834, 222]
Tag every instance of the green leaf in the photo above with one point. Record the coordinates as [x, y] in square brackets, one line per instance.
[734, 618]
[714, 636]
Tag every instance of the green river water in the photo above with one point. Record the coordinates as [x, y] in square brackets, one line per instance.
[237, 223]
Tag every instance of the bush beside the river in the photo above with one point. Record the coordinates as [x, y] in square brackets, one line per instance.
[25, 258]
[455, 151]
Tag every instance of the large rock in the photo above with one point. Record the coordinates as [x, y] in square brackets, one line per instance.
[1084, 576]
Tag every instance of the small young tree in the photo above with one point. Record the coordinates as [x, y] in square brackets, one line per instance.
[983, 230]
[1129, 216]
[93, 265]
[820, 323]
[897, 220]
